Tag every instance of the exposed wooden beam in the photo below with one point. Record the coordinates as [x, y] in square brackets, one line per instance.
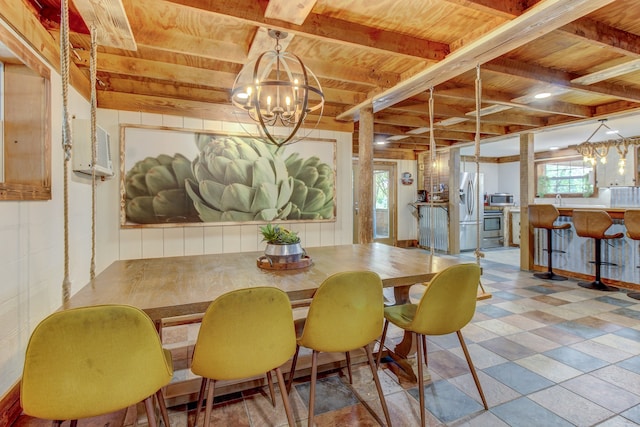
[182, 107]
[17, 16]
[544, 17]
[608, 73]
[612, 39]
[110, 20]
[560, 79]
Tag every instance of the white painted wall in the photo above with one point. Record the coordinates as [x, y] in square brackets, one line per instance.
[32, 248]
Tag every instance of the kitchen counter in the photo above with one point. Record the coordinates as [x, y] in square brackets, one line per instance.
[573, 255]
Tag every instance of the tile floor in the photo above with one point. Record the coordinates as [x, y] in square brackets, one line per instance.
[547, 354]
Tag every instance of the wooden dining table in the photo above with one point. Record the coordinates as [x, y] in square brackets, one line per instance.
[180, 286]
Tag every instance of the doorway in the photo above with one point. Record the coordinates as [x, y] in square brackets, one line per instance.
[384, 202]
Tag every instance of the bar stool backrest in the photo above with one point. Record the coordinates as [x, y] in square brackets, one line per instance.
[591, 223]
[632, 223]
[542, 216]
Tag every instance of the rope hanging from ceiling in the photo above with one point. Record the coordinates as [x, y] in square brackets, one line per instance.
[66, 138]
[432, 152]
[478, 253]
[94, 102]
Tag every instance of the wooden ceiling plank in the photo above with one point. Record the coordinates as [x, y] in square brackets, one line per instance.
[328, 29]
[544, 17]
[294, 12]
[506, 9]
[110, 20]
[263, 42]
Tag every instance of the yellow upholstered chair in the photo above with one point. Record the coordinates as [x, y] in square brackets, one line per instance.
[447, 305]
[91, 361]
[244, 333]
[346, 313]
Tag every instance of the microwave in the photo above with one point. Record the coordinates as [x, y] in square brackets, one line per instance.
[501, 199]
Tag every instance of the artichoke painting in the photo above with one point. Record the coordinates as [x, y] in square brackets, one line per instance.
[155, 191]
[230, 179]
[240, 180]
[312, 196]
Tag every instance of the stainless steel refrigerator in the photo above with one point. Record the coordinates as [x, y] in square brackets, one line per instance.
[471, 208]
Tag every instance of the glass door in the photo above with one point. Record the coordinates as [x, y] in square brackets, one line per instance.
[384, 202]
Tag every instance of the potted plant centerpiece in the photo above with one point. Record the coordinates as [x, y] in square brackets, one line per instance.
[283, 245]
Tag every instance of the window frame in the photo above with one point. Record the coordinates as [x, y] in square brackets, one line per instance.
[577, 157]
[38, 187]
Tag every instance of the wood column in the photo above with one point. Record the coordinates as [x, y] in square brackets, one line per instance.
[365, 176]
[527, 187]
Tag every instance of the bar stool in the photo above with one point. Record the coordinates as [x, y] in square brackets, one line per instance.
[632, 223]
[544, 216]
[594, 224]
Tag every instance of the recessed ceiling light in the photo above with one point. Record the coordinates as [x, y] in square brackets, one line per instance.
[554, 148]
[612, 132]
[381, 142]
[542, 95]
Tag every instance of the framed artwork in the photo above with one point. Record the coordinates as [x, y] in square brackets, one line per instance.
[178, 177]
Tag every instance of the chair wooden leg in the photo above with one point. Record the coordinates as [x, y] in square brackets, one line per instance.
[376, 379]
[209, 406]
[73, 423]
[312, 390]
[348, 357]
[293, 369]
[203, 387]
[163, 407]
[420, 383]
[472, 369]
[271, 390]
[151, 416]
[56, 423]
[382, 338]
[285, 397]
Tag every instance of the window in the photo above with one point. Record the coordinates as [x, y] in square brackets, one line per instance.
[25, 156]
[567, 177]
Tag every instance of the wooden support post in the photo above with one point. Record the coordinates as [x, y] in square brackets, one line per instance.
[365, 176]
[527, 188]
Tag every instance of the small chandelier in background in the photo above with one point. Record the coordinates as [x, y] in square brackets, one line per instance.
[278, 92]
[592, 151]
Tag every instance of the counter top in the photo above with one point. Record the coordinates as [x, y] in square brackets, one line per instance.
[615, 213]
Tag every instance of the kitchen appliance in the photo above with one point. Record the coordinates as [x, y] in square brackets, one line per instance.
[501, 199]
[492, 229]
[471, 208]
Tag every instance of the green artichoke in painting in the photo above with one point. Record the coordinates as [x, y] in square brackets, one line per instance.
[155, 191]
[238, 179]
[313, 188]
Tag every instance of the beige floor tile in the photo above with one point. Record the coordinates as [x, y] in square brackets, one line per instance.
[570, 406]
[548, 368]
[498, 327]
[533, 341]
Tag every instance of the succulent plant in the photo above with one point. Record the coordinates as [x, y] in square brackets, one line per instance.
[278, 235]
[313, 188]
[155, 191]
[238, 179]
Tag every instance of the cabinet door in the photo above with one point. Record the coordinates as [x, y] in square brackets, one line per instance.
[608, 174]
[515, 228]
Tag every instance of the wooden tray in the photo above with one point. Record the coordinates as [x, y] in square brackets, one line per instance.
[263, 262]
